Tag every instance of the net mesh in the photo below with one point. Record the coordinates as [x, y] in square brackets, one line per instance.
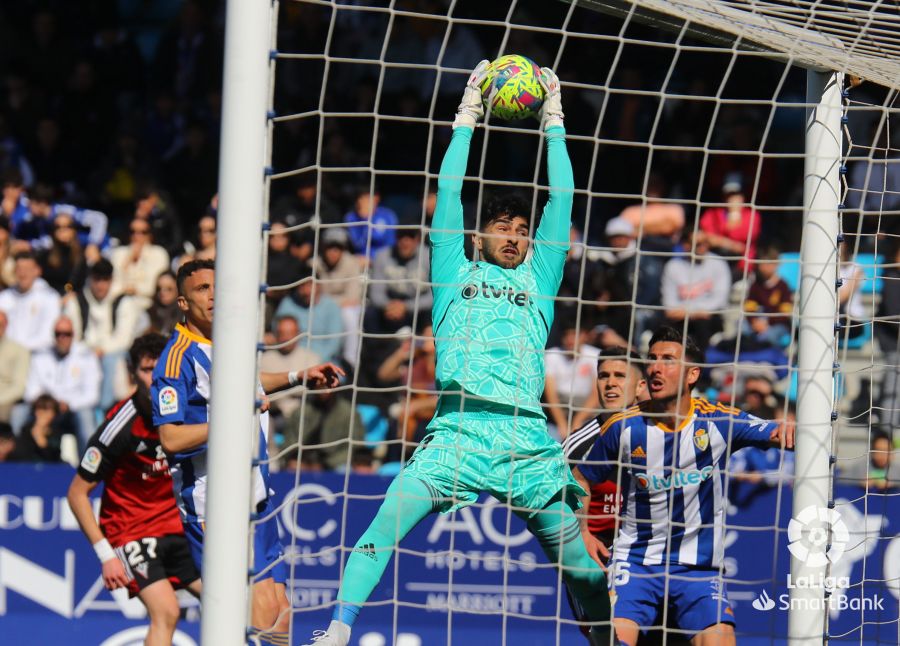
[668, 105]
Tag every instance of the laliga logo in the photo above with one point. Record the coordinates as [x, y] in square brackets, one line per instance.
[808, 536]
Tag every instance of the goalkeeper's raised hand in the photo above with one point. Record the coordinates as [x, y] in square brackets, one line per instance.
[551, 110]
[471, 108]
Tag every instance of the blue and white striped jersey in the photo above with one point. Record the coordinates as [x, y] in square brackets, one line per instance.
[673, 480]
[180, 395]
[38, 230]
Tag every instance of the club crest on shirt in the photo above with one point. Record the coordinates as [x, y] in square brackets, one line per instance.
[701, 439]
[91, 460]
[168, 401]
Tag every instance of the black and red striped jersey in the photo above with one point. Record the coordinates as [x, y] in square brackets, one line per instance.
[126, 455]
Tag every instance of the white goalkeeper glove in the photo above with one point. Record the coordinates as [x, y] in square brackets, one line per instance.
[551, 110]
[471, 108]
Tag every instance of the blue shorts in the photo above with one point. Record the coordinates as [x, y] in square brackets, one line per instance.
[697, 597]
[267, 547]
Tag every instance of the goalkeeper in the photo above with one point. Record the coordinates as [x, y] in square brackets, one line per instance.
[492, 318]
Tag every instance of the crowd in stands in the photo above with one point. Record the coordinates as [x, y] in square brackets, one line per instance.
[109, 124]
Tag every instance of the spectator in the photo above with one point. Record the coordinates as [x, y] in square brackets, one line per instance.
[570, 375]
[873, 186]
[887, 332]
[31, 305]
[696, 289]
[38, 226]
[733, 230]
[291, 354]
[851, 311]
[154, 206]
[63, 265]
[7, 443]
[70, 373]
[582, 279]
[399, 284]
[340, 276]
[620, 271]
[412, 366]
[306, 204]
[875, 471]
[108, 325]
[658, 223]
[164, 312]
[206, 239]
[282, 267]
[759, 396]
[327, 426]
[7, 263]
[40, 439]
[770, 297]
[136, 266]
[14, 363]
[14, 206]
[319, 315]
[369, 220]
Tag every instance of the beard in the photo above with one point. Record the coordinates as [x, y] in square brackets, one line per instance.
[493, 253]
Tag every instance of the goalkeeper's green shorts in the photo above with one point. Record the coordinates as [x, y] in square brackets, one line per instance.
[513, 458]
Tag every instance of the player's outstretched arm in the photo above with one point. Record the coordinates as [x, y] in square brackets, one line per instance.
[114, 575]
[325, 375]
[447, 238]
[552, 237]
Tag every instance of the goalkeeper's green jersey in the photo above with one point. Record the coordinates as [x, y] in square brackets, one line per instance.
[491, 324]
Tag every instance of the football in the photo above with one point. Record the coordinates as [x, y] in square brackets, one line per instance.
[512, 90]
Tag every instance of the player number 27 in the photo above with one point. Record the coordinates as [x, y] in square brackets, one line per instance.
[133, 550]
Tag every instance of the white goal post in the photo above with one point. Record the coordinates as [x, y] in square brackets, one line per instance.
[832, 43]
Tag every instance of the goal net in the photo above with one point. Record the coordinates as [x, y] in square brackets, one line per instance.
[687, 125]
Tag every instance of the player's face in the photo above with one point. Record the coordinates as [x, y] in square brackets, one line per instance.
[197, 300]
[667, 374]
[143, 375]
[504, 242]
[619, 385]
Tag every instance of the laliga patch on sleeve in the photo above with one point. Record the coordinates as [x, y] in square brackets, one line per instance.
[168, 401]
[91, 460]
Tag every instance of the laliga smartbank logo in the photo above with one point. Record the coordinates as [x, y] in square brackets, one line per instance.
[808, 536]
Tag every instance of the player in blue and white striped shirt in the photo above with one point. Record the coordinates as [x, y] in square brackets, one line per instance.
[672, 453]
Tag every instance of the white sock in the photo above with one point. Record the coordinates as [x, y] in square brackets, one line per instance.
[339, 629]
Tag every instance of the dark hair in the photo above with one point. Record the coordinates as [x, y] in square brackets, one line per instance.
[25, 255]
[101, 270]
[505, 207]
[879, 435]
[188, 269]
[618, 353]
[42, 193]
[149, 345]
[12, 176]
[45, 400]
[669, 334]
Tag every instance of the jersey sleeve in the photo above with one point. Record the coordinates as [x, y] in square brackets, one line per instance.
[103, 451]
[446, 235]
[169, 392]
[749, 430]
[602, 460]
[551, 241]
[579, 443]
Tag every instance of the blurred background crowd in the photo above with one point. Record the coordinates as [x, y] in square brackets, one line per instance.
[109, 126]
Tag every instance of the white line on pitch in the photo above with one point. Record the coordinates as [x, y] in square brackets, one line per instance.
[476, 587]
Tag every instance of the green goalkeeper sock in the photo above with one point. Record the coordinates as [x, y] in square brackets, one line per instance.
[408, 501]
[557, 530]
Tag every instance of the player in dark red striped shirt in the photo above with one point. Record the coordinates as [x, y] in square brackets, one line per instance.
[139, 540]
[620, 385]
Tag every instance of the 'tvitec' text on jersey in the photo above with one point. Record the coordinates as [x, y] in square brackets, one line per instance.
[180, 395]
[673, 480]
[491, 324]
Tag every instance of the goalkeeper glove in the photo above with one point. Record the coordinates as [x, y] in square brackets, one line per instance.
[471, 109]
[551, 110]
